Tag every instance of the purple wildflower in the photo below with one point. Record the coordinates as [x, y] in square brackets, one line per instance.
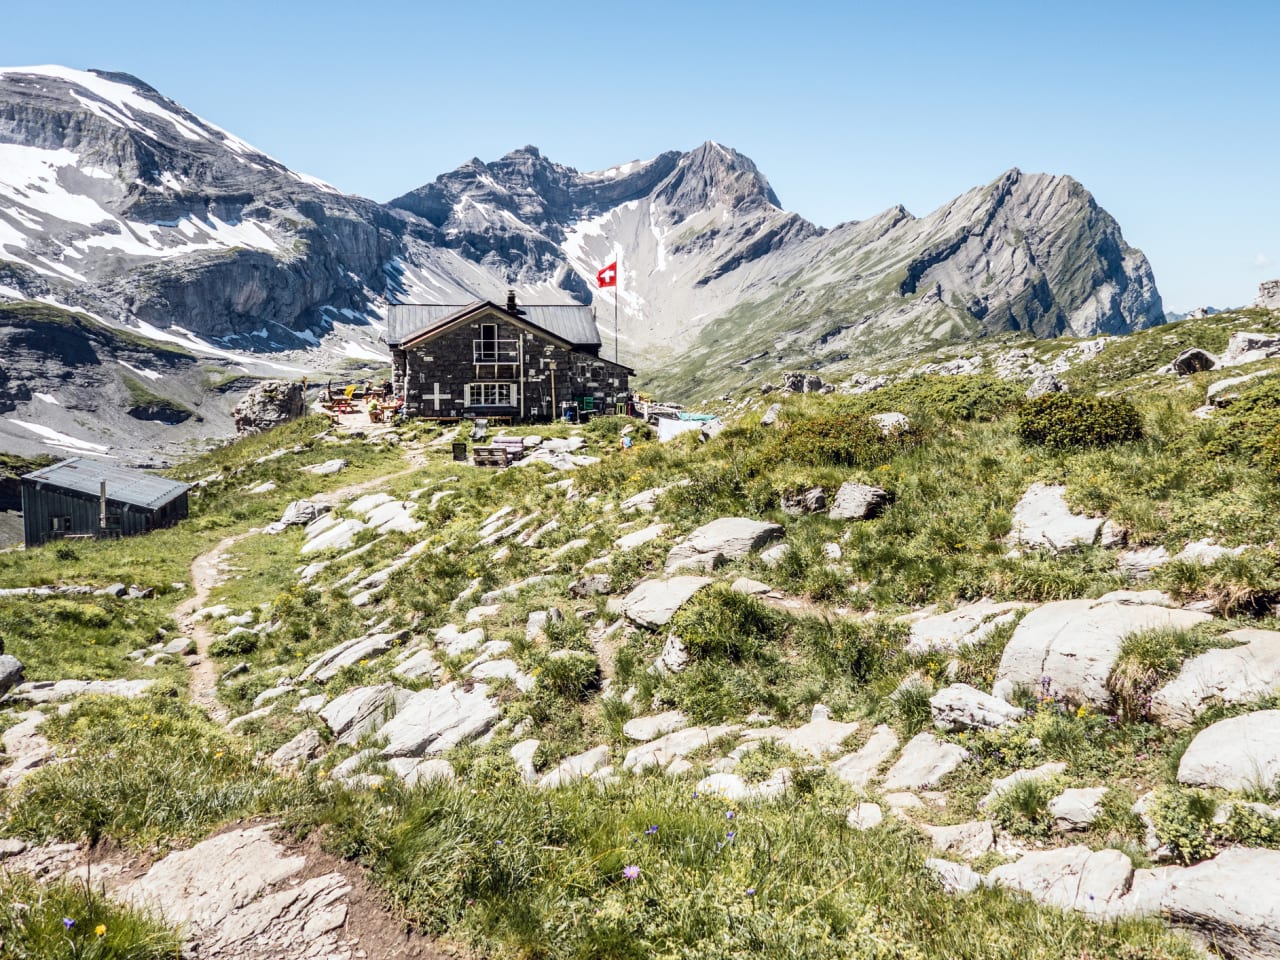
[730, 835]
[729, 814]
[631, 871]
[650, 831]
[68, 923]
[751, 891]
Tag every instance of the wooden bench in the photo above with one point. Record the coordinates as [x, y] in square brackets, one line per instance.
[513, 445]
[491, 456]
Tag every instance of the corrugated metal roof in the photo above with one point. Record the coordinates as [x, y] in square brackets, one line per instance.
[126, 486]
[406, 319]
[570, 322]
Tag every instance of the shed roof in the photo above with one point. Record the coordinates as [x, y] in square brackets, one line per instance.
[123, 485]
[574, 323]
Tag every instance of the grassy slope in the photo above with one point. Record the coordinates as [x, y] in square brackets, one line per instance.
[531, 874]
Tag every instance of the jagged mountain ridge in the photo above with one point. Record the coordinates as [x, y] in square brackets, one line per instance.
[116, 200]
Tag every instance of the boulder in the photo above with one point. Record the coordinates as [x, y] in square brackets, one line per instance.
[865, 816]
[969, 840]
[592, 585]
[1076, 808]
[1070, 646]
[771, 415]
[55, 691]
[660, 752]
[750, 587]
[1043, 519]
[536, 626]
[302, 512]
[858, 501]
[522, 755]
[819, 737]
[339, 536]
[964, 626]
[1232, 901]
[651, 727]
[1248, 346]
[433, 722]
[326, 469]
[772, 556]
[1072, 878]
[420, 663]
[962, 707]
[268, 404]
[892, 423]
[1222, 392]
[858, 768]
[640, 537]
[327, 666]
[297, 751]
[654, 602]
[503, 670]
[728, 538]
[25, 747]
[955, 878]
[645, 500]
[673, 658]
[1229, 677]
[1192, 361]
[12, 673]
[1239, 753]
[457, 642]
[576, 768]
[813, 500]
[925, 760]
[415, 772]
[734, 788]
[362, 710]
[1045, 383]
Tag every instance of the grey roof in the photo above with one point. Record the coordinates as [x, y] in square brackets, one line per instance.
[123, 485]
[573, 322]
[406, 319]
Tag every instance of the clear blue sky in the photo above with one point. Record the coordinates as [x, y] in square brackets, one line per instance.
[1167, 111]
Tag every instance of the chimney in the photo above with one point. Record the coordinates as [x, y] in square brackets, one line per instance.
[511, 302]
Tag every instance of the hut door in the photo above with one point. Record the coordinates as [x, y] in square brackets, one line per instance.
[489, 341]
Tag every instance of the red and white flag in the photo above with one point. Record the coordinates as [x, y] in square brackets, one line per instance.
[608, 277]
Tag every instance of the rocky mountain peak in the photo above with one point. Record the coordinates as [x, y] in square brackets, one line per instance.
[713, 175]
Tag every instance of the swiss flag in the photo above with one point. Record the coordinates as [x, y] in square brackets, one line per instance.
[608, 277]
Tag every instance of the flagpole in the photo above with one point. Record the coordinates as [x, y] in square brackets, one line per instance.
[617, 295]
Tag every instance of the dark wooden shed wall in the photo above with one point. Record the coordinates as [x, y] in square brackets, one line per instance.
[41, 502]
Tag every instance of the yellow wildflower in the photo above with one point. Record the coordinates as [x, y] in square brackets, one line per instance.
[100, 930]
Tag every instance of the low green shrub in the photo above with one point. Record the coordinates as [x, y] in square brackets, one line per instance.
[1023, 809]
[722, 624]
[1063, 420]
[236, 645]
[838, 439]
[953, 399]
[1183, 821]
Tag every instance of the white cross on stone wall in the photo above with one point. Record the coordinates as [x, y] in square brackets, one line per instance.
[437, 396]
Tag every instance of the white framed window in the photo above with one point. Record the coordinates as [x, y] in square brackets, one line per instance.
[491, 394]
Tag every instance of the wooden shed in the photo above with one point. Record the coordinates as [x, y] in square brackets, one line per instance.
[88, 498]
